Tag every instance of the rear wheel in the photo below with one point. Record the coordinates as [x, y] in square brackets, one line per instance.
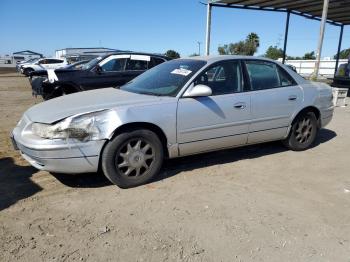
[132, 158]
[303, 132]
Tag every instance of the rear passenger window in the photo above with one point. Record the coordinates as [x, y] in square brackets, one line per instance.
[155, 61]
[266, 75]
[50, 61]
[285, 78]
[223, 78]
[135, 65]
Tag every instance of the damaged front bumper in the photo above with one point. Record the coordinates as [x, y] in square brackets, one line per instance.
[41, 85]
[57, 155]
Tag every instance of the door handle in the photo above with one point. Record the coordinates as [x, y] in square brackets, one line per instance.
[292, 98]
[239, 105]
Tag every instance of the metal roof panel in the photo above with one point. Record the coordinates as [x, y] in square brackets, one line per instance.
[338, 10]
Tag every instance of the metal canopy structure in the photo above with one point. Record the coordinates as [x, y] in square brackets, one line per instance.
[335, 12]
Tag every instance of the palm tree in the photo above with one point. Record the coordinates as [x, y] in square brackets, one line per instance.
[253, 38]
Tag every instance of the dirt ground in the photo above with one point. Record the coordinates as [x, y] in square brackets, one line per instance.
[258, 203]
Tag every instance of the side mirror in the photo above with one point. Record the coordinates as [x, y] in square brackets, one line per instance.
[198, 91]
[98, 69]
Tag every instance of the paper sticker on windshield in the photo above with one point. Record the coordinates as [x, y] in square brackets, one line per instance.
[181, 71]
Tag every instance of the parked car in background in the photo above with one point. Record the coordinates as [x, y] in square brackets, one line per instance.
[36, 78]
[181, 107]
[42, 64]
[73, 66]
[112, 70]
[21, 63]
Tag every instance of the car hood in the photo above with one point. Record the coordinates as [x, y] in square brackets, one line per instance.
[85, 102]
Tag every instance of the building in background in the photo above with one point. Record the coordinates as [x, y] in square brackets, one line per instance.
[25, 55]
[78, 54]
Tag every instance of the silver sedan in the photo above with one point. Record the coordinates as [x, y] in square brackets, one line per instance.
[181, 107]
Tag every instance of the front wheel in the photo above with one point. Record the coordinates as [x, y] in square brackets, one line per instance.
[303, 132]
[132, 158]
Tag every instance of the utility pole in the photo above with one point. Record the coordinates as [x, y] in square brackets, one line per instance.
[321, 36]
[199, 47]
[286, 38]
[207, 35]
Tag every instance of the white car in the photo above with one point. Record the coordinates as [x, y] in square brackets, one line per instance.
[178, 108]
[20, 64]
[43, 64]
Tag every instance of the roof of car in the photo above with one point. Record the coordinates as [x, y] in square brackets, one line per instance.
[215, 58]
[136, 53]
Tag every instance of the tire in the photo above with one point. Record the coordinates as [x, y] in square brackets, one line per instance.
[302, 133]
[27, 71]
[132, 158]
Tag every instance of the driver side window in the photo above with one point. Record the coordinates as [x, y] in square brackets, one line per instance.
[223, 78]
[114, 65]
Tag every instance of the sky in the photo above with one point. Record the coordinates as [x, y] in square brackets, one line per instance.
[150, 26]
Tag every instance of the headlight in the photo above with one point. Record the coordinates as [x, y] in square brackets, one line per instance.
[92, 126]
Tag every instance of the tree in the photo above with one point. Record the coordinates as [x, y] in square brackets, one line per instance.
[254, 39]
[309, 56]
[273, 52]
[172, 54]
[223, 50]
[194, 54]
[294, 58]
[247, 47]
[344, 54]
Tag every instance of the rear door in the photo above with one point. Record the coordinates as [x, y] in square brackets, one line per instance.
[135, 65]
[43, 63]
[217, 121]
[56, 63]
[275, 97]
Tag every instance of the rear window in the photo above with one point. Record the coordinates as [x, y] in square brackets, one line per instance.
[53, 61]
[136, 65]
[155, 61]
[266, 75]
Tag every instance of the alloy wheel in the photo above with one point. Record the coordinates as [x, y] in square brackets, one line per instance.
[135, 158]
[303, 130]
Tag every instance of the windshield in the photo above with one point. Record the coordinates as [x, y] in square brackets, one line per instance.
[90, 64]
[32, 60]
[77, 65]
[165, 79]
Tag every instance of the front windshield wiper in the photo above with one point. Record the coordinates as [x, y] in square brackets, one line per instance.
[148, 93]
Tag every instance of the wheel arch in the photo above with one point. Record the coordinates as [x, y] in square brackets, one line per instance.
[312, 109]
[143, 125]
[26, 69]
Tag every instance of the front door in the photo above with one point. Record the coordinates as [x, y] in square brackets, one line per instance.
[275, 97]
[217, 121]
[109, 74]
